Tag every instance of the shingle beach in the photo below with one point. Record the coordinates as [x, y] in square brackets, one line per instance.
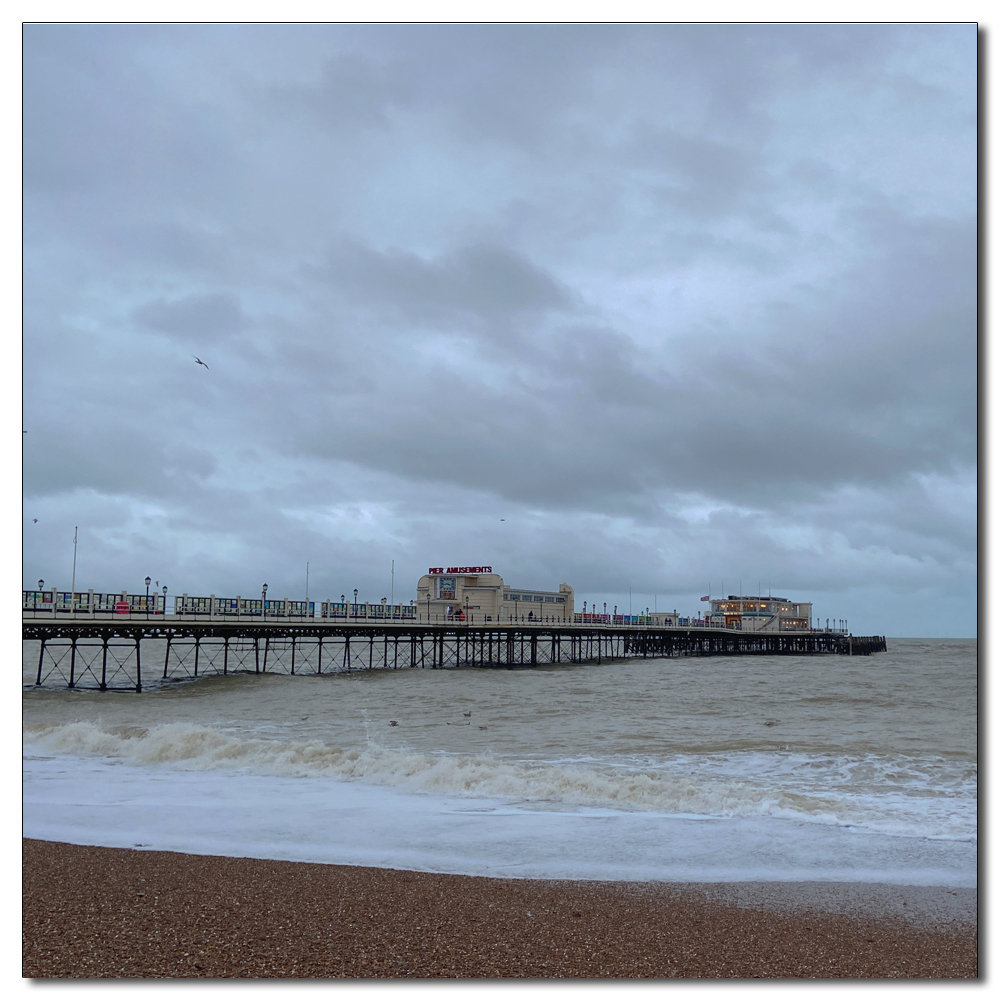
[96, 912]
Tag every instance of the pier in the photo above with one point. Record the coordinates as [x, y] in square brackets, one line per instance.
[126, 654]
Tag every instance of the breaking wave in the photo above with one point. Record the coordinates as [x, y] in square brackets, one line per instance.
[925, 797]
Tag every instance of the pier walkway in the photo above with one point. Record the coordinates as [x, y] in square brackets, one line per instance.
[125, 653]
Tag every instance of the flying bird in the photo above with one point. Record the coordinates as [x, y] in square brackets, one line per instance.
[34, 520]
[393, 723]
[466, 714]
[200, 362]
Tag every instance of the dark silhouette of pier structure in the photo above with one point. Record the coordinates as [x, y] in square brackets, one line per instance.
[123, 655]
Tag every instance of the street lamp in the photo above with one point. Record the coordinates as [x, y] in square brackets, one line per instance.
[355, 603]
[164, 600]
[148, 582]
[263, 601]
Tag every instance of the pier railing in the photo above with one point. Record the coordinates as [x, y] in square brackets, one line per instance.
[366, 614]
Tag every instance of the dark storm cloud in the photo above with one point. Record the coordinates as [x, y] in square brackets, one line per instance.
[682, 301]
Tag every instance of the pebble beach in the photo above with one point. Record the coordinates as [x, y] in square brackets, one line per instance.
[97, 912]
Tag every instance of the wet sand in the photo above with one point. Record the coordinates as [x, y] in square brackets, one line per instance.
[97, 912]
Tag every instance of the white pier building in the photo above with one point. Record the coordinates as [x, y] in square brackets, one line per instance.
[478, 595]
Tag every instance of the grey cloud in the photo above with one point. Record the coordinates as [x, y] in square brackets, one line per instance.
[205, 318]
[352, 92]
[481, 282]
[704, 177]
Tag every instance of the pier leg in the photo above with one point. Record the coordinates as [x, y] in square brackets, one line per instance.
[319, 656]
[41, 659]
[166, 658]
[104, 666]
[256, 654]
[293, 654]
[267, 646]
[225, 657]
[197, 653]
[138, 668]
[72, 663]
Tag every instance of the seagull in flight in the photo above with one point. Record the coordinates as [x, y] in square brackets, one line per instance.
[200, 362]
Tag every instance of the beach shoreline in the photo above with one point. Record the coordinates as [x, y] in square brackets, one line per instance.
[98, 912]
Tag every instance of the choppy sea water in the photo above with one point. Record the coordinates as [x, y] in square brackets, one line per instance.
[716, 768]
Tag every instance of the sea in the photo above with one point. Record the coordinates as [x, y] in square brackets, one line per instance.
[693, 769]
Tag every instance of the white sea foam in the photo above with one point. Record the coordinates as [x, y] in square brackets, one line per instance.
[92, 799]
[925, 797]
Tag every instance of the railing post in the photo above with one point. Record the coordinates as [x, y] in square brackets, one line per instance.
[104, 666]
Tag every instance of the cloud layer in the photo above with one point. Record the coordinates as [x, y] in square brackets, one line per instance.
[683, 305]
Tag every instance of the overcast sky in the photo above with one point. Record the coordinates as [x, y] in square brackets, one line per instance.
[668, 308]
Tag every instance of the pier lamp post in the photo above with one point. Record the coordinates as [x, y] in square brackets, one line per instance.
[263, 601]
[343, 603]
[428, 607]
[148, 582]
[164, 600]
[355, 603]
[605, 609]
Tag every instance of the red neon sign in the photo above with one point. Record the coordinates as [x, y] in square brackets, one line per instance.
[438, 570]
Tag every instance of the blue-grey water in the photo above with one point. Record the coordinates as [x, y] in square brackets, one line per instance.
[826, 754]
